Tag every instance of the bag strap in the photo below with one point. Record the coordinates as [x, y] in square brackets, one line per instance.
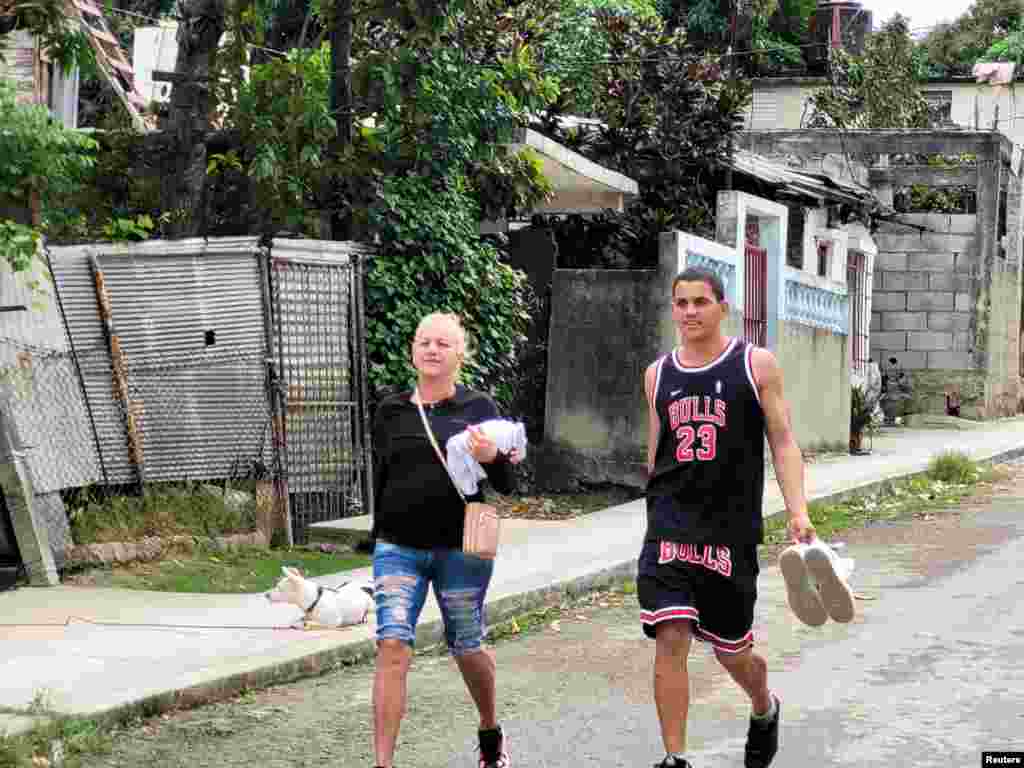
[433, 442]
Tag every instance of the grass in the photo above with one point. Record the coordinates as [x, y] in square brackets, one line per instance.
[73, 738]
[238, 572]
[190, 509]
[949, 478]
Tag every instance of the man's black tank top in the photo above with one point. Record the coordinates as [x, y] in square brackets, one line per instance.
[707, 486]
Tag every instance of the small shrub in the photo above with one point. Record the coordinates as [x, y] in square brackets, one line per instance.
[953, 467]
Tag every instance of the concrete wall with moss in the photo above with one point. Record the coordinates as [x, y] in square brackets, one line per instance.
[1000, 323]
[948, 315]
[606, 327]
[816, 377]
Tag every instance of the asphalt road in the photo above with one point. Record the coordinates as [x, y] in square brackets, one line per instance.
[929, 674]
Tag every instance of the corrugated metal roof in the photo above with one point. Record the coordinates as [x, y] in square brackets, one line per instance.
[799, 183]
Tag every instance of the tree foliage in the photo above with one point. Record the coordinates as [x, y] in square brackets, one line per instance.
[438, 91]
[767, 35]
[41, 162]
[880, 89]
[666, 118]
[575, 43]
[979, 34]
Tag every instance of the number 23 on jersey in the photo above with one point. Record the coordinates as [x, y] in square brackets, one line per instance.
[695, 421]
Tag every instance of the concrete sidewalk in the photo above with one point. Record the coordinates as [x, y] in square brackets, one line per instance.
[219, 644]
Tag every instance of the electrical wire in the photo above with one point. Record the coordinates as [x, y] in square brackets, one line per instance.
[161, 22]
[579, 61]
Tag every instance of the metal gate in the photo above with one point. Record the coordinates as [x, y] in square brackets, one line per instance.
[321, 414]
[755, 296]
[857, 284]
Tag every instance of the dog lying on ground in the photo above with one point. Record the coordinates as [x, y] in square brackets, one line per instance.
[345, 606]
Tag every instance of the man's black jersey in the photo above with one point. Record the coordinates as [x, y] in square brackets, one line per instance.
[707, 486]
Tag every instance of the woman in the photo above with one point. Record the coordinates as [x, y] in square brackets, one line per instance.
[418, 533]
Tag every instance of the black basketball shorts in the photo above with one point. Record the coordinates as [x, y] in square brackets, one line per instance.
[715, 587]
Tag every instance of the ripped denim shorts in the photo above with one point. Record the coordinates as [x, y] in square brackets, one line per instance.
[401, 576]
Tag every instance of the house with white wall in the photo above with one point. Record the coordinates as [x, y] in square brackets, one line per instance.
[782, 103]
[41, 80]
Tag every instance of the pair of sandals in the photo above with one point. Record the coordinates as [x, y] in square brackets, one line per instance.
[816, 583]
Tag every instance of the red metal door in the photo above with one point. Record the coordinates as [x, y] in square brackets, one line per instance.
[857, 289]
[755, 297]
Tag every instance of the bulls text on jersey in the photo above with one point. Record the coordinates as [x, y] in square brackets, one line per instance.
[695, 418]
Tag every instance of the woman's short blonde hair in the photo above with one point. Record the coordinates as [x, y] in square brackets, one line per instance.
[463, 339]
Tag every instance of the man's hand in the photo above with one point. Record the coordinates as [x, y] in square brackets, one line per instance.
[800, 528]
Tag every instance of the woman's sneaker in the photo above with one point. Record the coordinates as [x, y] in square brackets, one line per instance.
[831, 573]
[801, 591]
[671, 761]
[494, 749]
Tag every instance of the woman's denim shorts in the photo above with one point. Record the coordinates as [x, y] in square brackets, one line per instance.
[401, 576]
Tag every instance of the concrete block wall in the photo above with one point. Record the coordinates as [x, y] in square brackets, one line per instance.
[923, 306]
[922, 301]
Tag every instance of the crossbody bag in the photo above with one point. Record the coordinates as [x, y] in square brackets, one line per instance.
[482, 526]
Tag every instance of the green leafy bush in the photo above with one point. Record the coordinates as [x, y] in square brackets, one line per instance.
[953, 467]
[432, 258]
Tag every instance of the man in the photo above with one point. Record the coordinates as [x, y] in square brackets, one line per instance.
[711, 401]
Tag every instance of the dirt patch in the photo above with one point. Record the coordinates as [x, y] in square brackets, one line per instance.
[563, 506]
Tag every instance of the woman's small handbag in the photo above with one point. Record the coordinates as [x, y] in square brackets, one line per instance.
[482, 526]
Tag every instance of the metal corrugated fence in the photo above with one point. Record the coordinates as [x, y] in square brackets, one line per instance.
[202, 360]
[191, 327]
[189, 318]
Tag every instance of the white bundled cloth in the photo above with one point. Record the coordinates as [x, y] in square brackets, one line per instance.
[466, 471]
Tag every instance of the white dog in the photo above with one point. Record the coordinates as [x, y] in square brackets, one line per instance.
[345, 606]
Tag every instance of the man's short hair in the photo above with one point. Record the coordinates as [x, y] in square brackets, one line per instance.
[701, 275]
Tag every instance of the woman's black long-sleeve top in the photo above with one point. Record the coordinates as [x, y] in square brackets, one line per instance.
[416, 504]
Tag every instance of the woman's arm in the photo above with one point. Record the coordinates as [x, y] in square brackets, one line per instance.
[499, 467]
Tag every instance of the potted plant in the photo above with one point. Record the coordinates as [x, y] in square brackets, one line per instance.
[860, 419]
[864, 396]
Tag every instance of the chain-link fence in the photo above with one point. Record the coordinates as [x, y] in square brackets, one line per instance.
[42, 395]
[199, 361]
[204, 416]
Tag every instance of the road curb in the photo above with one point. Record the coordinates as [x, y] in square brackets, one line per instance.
[875, 485]
[430, 632]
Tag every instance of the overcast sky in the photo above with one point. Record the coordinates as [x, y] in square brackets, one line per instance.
[922, 13]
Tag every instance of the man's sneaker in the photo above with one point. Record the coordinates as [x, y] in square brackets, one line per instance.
[671, 761]
[801, 591]
[831, 573]
[494, 749]
[763, 739]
